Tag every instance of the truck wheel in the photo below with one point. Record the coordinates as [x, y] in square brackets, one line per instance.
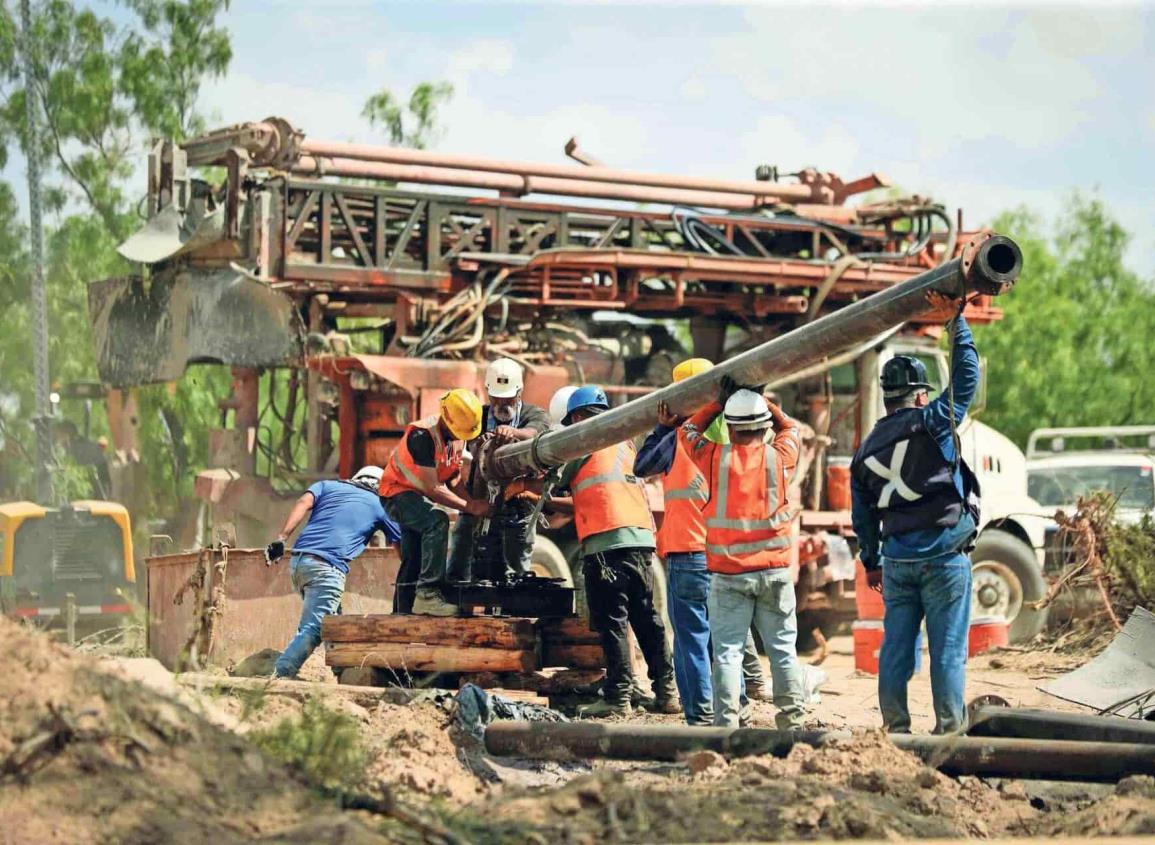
[549, 562]
[1006, 579]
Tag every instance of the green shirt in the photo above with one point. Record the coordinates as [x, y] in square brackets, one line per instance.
[616, 538]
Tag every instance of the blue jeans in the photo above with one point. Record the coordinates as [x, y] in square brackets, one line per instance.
[321, 585]
[942, 593]
[688, 591]
[766, 599]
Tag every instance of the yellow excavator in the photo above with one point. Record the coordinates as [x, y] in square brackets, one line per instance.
[55, 559]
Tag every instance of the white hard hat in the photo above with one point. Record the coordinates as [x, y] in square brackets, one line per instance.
[559, 404]
[747, 409]
[368, 473]
[503, 379]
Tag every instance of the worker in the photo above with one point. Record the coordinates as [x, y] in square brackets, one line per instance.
[418, 487]
[748, 525]
[558, 404]
[616, 530]
[682, 547]
[915, 510]
[343, 516]
[508, 540]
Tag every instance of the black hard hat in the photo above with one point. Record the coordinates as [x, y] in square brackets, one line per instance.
[902, 375]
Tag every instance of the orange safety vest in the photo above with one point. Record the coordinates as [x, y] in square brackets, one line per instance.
[606, 496]
[686, 492]
[402, 472]
[749, 514]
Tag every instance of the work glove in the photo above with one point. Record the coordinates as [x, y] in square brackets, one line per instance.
[274, 552]
[727, 387]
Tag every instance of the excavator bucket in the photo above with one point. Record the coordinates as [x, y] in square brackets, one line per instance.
[148, 332]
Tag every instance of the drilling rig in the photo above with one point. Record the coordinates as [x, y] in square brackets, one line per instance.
[348, 286]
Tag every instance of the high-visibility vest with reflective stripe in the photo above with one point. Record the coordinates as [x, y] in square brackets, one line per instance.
[686, 492]
[749, 514]
[402, 472]
[606, 495]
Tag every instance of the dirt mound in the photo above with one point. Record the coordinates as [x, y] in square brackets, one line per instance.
[1130, 811]
[87, 755]
[862, 788]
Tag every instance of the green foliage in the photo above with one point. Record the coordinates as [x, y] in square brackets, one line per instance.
[324, 745]
[1131, 561]
[413, 124]
[107, 82]
[1074, 347]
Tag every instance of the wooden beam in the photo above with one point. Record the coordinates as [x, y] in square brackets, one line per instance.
[573, 656]
[475, 632]
[427, 658]
[303, 690]
[571, 629]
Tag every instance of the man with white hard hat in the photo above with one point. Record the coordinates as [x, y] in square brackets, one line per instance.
[503, 537]
[343, 516]
[748, 537]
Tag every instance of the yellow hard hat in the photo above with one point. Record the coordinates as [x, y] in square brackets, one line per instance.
[692, 367]
[461, 413]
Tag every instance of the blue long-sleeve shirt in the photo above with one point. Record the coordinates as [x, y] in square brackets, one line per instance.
[928, 544]
[657, 453]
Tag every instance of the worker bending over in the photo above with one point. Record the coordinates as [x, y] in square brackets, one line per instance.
[615, 527]
[915, 509]
[416, 490]
[505, 534]
[748, 525]
[343, 516]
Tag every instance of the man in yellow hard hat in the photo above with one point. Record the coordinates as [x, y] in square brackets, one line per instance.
[417, 489]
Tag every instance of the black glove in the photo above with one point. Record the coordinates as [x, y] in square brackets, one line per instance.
[727, 387]
[274, 552]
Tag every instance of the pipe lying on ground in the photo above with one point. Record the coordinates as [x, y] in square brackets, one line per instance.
[1050, 724]
[952, 755]
[990, 264]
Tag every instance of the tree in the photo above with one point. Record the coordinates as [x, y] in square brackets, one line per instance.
[106, 82]
[1074, 347]
[412, 125]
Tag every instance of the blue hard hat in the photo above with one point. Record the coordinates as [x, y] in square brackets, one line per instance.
[587, 396]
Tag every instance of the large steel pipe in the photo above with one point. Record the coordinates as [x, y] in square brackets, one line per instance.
[990, 263]
[953, 755]
[404, 155]
[1024, 723]
[520, 185]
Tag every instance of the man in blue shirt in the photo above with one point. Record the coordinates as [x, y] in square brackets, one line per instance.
[343, 516]
[915, 511]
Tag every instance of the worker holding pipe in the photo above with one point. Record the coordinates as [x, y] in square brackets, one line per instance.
[616, 530]
[417, 488]
[505, 534]
[748, 522]
[915, 509]
[682, 547]
[343, 516]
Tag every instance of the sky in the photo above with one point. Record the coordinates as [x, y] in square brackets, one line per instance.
[980, 106]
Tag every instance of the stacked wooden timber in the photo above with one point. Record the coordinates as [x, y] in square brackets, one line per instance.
[404, 644]
[570, 643]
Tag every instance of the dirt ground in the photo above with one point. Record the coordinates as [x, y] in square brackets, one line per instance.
[87, 754]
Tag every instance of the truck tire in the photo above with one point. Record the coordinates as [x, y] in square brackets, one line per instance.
[549, 561]
[1006, 579]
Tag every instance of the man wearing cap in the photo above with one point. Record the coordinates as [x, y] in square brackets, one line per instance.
[616, 530]
[506, 419]
[915, 509]
[748, 536]
[343, 516]
[416, 488]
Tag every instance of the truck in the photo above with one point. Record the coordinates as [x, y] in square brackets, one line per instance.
[346, 302]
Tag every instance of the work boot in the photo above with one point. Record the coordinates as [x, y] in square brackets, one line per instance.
[605, 708]
[757, 692]
[430, 602]
[666, 698]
